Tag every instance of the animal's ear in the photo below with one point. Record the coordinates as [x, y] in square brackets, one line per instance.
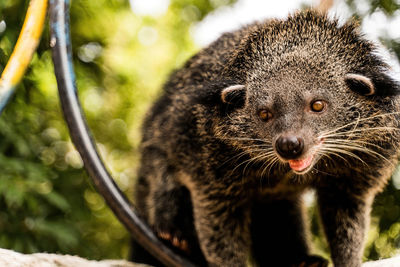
[360, 84]
[234, 95]
[379, 84]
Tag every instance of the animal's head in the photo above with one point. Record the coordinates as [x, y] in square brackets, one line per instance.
[306, 88]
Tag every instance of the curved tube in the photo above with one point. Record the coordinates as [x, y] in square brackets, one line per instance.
[62, 58]
[27, 43]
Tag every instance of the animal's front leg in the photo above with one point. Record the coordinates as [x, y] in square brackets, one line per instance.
[345, 216]
[279, 237]
[222, 226]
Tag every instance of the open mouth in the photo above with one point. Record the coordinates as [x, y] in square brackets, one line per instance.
[301, 165]
[303, 160]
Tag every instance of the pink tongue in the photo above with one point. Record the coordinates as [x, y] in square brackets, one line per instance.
[300, 164]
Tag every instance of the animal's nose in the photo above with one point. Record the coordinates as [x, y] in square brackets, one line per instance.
[289, 147]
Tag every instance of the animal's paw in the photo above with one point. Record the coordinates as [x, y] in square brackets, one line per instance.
[174, 240]
[312, 261]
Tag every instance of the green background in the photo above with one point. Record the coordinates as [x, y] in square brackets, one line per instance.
[121, 60]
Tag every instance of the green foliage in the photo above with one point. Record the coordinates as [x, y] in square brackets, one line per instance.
[121, 61]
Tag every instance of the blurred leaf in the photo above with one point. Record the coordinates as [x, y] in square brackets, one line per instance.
[57, 200]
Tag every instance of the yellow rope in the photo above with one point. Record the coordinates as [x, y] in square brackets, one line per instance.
[27, 43]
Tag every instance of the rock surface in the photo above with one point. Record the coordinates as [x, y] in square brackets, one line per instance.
[14, 259]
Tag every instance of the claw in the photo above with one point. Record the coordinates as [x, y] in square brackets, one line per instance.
[165, 236]
[184, 245]
[175, 241]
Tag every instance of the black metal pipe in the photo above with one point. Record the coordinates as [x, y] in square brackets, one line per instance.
[81, 137]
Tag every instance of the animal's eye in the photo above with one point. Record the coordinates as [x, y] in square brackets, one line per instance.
[318, 106]
[265, 114]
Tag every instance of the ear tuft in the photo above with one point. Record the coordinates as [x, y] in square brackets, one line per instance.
[234, 95]
[360, 84]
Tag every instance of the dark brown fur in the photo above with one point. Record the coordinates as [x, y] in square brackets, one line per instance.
[211, 182]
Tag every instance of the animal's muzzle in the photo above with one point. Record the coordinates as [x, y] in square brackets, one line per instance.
[289, 147]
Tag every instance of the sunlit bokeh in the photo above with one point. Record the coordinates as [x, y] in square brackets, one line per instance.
[3, 26]
[149, 7]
